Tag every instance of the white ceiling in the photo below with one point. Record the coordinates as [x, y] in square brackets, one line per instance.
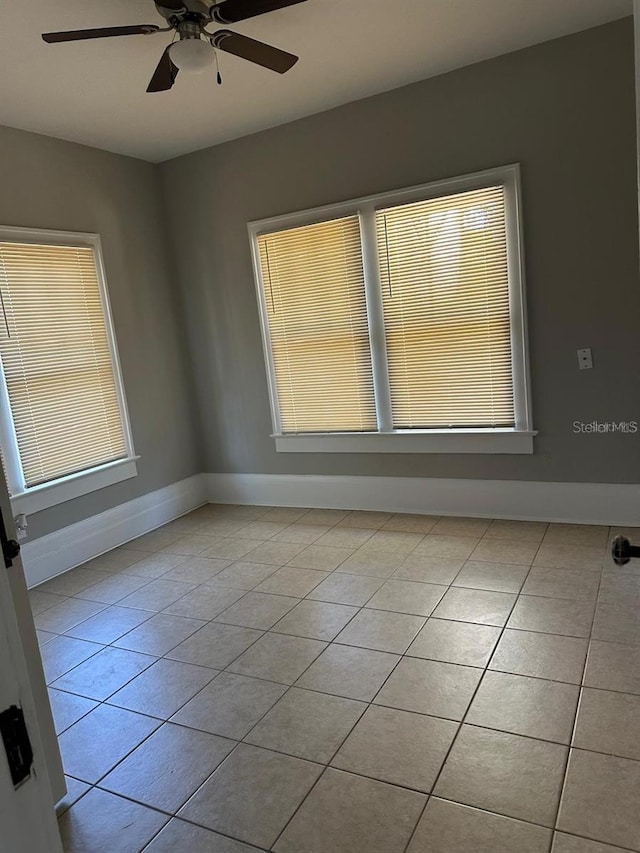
[93, 92]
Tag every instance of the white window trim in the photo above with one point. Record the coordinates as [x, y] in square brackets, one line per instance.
[387, 440]
[29, 500]
[410, 441]
[74, 486]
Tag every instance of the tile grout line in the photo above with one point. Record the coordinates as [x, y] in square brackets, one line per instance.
[369, 704]
[565, 775]
[462, 721]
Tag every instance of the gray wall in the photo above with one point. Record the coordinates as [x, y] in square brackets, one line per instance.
[565, 111]
[46, 183]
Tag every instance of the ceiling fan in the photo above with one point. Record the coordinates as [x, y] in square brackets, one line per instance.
[195, 50]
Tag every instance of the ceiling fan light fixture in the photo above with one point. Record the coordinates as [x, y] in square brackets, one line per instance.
[192, 54]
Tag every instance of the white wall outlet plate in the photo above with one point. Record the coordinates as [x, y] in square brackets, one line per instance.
[585, 360]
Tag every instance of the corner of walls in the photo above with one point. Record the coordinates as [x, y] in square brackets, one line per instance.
[172, 251]
[70, 546]
[189, 326]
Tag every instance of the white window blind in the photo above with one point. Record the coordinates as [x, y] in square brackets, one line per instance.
[313, 290]
[57, 361]
[445, 293]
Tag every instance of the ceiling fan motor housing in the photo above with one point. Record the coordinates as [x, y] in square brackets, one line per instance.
[189, 29]
[184, 10]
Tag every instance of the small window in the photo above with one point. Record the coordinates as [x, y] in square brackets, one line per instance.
[396, 322]
[64, 428]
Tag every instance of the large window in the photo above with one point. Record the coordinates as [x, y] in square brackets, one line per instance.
[396, 322]
[63, 425]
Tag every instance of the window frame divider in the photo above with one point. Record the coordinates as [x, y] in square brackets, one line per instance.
[266, 334]
[375, 318]
[96, 244]
[9, 441]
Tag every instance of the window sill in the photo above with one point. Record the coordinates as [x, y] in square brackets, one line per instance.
[410, 441]
[74, 486]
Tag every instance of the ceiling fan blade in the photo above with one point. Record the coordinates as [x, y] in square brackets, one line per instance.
[103, 32]
[254, 51]
[165, 74]
[231, 11]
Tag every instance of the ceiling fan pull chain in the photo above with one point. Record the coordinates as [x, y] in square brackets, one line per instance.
[218, 74]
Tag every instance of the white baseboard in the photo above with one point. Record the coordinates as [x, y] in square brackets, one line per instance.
[56, 552]
[578, 503]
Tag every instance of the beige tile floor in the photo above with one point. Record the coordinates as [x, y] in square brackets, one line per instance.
[324, 681]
